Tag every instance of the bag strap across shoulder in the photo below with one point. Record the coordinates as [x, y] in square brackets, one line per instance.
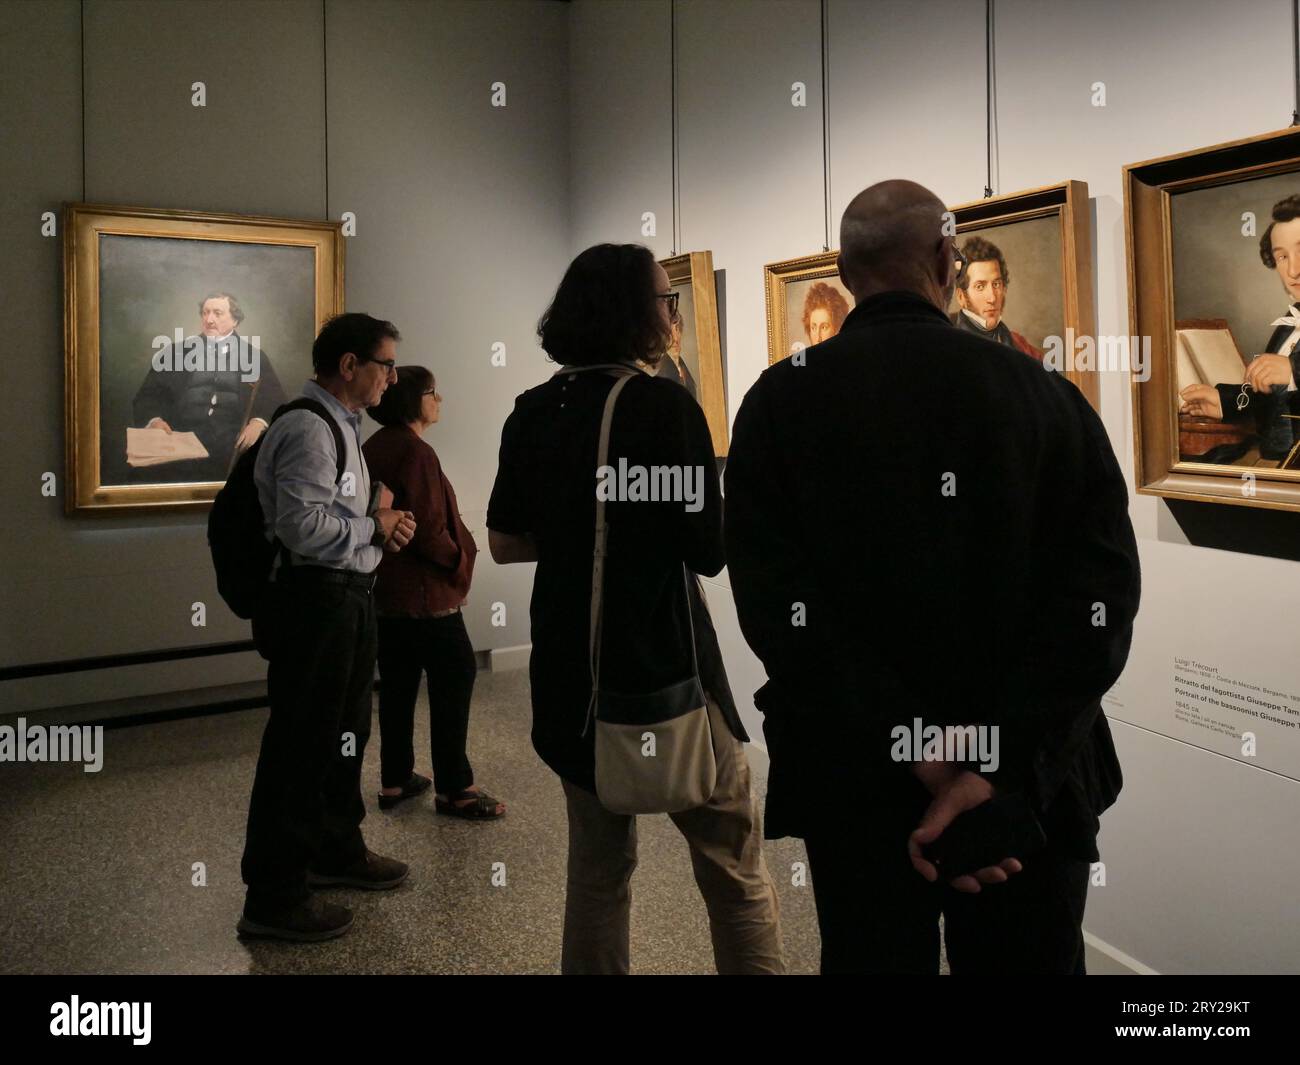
[625, 373]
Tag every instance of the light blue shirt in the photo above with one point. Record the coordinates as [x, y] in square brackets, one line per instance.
[320, 522]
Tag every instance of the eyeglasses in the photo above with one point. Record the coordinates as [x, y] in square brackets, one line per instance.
[672, 298]
[430, 392]
[388, 364]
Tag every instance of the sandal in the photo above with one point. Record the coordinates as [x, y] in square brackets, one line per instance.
[417, 785]
[483, 808]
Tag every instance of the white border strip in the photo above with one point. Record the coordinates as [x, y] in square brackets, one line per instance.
[502, 659]
[1118, 956]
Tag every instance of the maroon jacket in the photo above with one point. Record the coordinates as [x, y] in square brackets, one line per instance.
[432, 573]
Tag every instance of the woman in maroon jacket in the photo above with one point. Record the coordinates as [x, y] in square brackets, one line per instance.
[418, 596]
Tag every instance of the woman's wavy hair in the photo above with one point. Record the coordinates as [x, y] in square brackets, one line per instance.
[605, 309]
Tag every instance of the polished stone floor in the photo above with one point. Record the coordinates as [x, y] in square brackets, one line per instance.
[96, 868]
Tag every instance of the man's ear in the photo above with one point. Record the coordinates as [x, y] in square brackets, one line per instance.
[347, 368]
[840, 269]
[946, 264]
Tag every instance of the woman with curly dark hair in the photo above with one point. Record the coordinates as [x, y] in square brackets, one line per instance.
[611, 317]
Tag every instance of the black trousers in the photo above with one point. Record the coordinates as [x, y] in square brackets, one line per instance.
[440, 649]
[878, 915]
[306, 809]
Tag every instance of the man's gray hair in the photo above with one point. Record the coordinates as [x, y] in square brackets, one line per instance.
[236, 312]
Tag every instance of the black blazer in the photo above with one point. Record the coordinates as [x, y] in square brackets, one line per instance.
[212, 404]
[953, 522]
[1267, 409]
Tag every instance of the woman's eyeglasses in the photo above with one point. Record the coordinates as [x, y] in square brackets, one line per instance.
[672, 298]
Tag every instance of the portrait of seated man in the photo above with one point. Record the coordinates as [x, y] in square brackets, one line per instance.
[982, 296]
[219, 385]
[1268, 394]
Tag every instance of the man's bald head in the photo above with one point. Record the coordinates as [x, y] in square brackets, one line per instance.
[891, 238]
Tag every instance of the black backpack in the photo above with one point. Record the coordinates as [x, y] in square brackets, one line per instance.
[241, 553]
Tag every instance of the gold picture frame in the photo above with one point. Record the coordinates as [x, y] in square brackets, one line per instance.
[150, 241]
[818, 276]
[1150, 189]
[806, 274]
[1067, 201]
[691, 276]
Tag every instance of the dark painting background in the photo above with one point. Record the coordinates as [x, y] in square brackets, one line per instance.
[148, 286]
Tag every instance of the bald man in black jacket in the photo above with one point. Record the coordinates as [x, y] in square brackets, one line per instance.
[925, 528]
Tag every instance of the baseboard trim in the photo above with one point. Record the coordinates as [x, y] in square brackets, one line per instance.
[503, 659]
[151, 709]
[1126, 961]
[133, 658]
[158, 707]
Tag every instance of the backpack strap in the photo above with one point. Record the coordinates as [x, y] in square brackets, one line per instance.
[318, 408]
[340, 450]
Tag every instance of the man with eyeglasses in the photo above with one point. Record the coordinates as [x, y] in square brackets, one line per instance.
[304, 818]
[982, 282]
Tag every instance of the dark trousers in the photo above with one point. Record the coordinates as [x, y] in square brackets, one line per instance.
[878, 915]
[306, 809]
[440, 648]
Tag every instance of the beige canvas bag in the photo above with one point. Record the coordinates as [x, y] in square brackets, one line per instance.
[654, 750]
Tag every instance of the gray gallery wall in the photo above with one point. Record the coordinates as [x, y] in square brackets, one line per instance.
[461, 234]
[466, 217]
[1197, 876]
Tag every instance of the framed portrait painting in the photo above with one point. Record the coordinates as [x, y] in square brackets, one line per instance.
[183, 332]
[1037, 238]
[1027, 278]
[806, 303]
[695, 356]
[1213, 240]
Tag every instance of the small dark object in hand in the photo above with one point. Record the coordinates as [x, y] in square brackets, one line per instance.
[1004, 827]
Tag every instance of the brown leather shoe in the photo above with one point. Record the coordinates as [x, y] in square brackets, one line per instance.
[308, 922]
[373, 872]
